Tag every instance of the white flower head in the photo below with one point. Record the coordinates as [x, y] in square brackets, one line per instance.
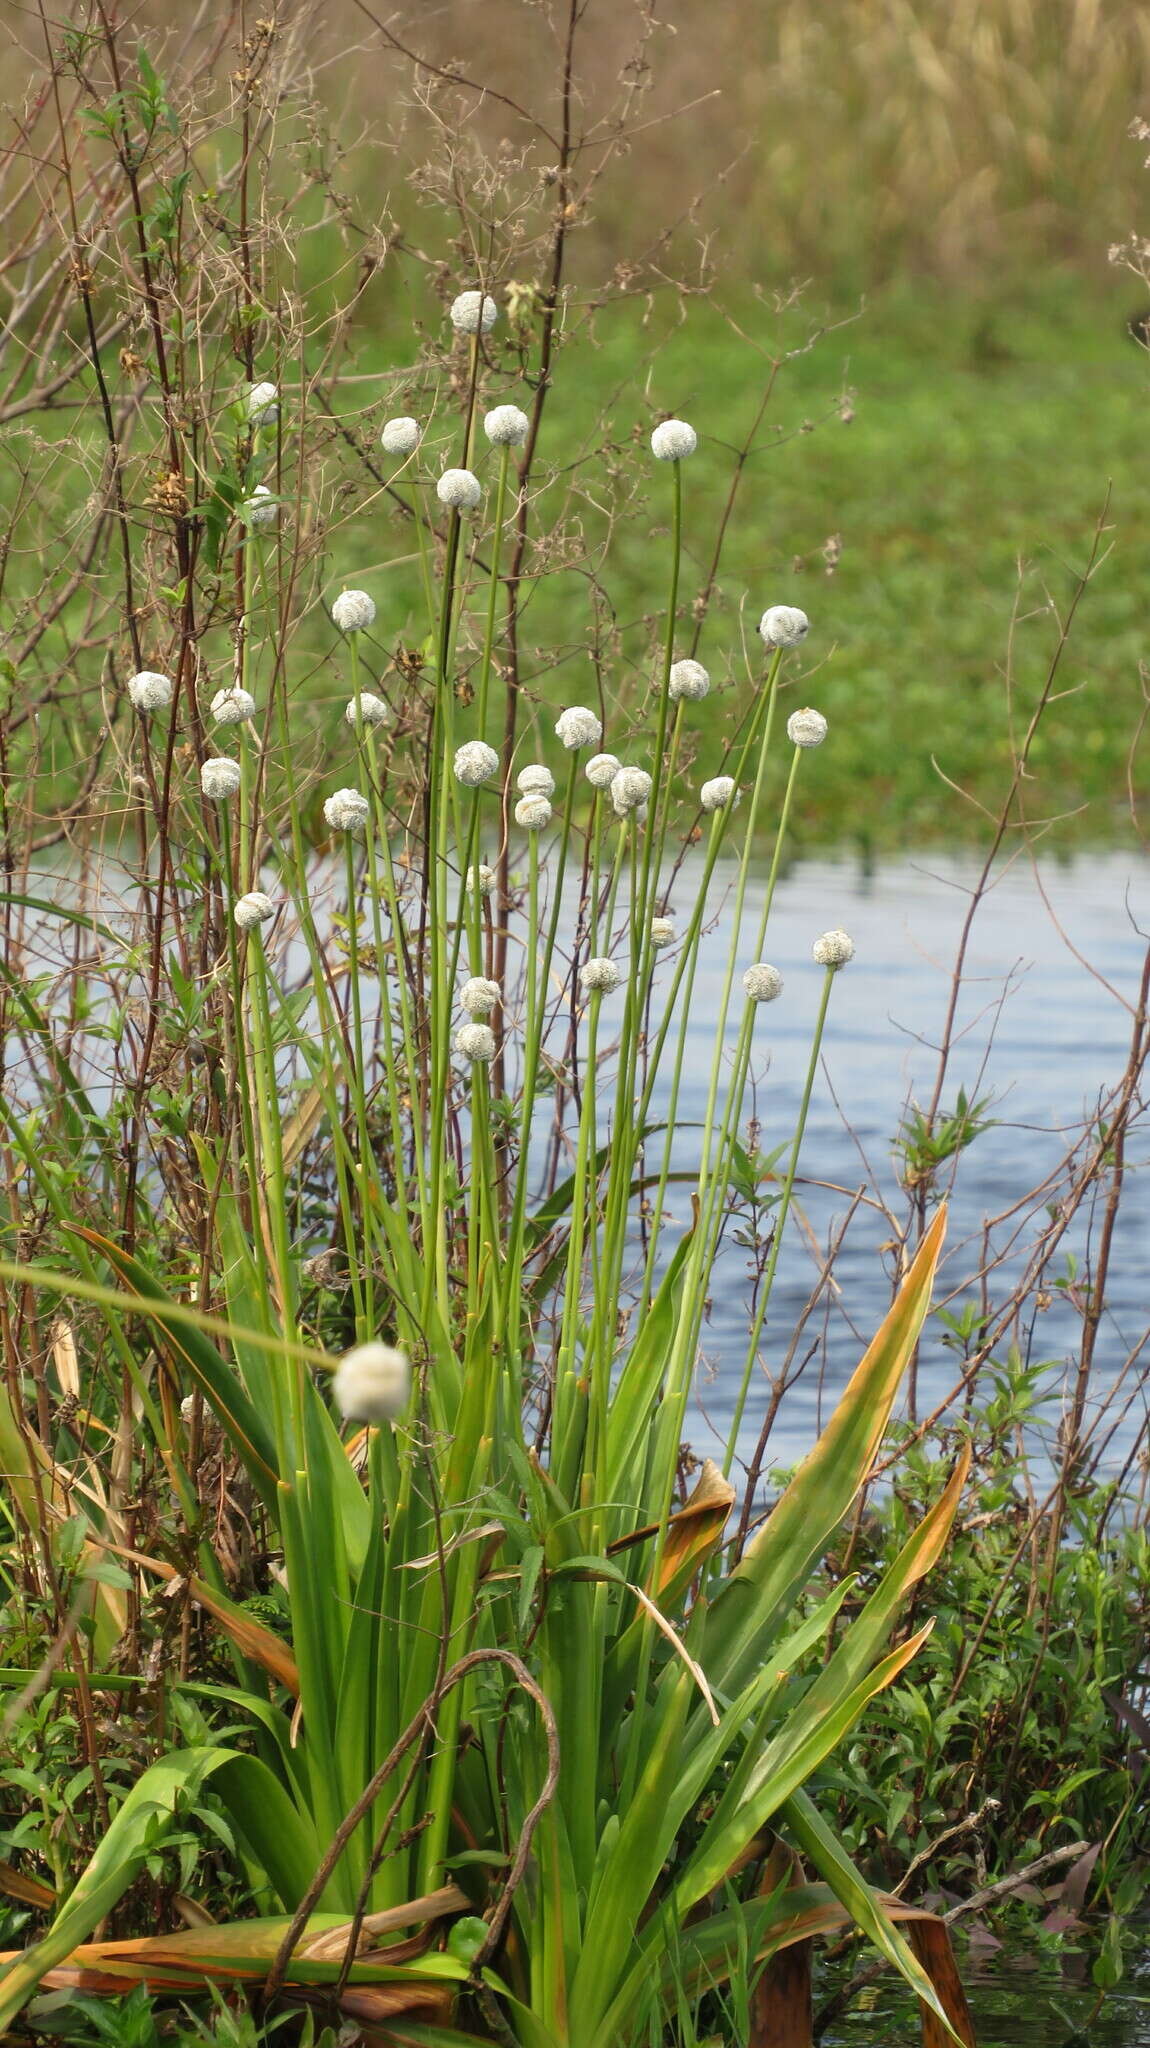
[599, 977]
[479, 996]
[401, 436]
[483, 878]
[460, 489]
[718, 792]
[372, 1383]
[347, 810]
[476, 1042]
[368, 707]
[475, 762]
[533, 812]
[763, 982]
[784, 626]
[834, 949]
[630, 787]
[688, 679]
[263, 405]
[602, 769]
[507, 427]
[262, 508]
[188, 1407]
[662, 932]
[578, 727]
[806, 728]
[233, 706]
[149, 690]
[473, 313]
[673, 441]
[252, 910]
[220, 779]
[535, 780]
[353, 611]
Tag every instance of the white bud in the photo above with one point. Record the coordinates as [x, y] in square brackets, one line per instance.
[602, 769]
[688, 679]
[459, 489]
[233, 706]
[263, 405]
[806, 728]
[483, 879]
[262, 508]
[834, 949]
[578, 727]
[476, 1042]
[220, 778]
[506, 427]
[479, 996]
[763, 983]
[253, 909]
[662, 932]
[347, 811]
[372, 1383]
[533, 812]
[353, 611]
[599, 977]
[368, 707]
[673, 441]
[630, 787]
[784, 626]
[150, 691]
[188, 1407]
[475, 762]
[473, 312]
[535, 780]
[717, 793]
[401, 436]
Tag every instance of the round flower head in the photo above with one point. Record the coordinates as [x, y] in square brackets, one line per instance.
[536, 780]
[233, 706]
[506, 427]
[188, 1407]
[483, 878]
[150, 691]
[262, 508]
[578, 727]
[368, 707]
[687, 679]
[353, 611]
[253, 909]
[763, 983]
[718, 792]
[476, 1042]
[662, 932]
[479, 996]
[599, 977]
[220, 779]
[372, 1383]
[602, 769]
[473, 313]
[630, 787]
[475, 762]
[673, 440]
[400, 437]
[806, 728]
[263, 405]
[347, 810]
[834, 949]
[784, 626]
[459, 489]
[534, 812]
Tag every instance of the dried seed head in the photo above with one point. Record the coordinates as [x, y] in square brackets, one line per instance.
[602, 769]
[473, 313]
[347, 810]
[763, 983]
[833, 950]
[578, 727]
[475, 762]
[599, 977]
[717, 793]
[662, 932]
[150, 691]
[220, 779]
[233, 706]
[476, 1042]
[630, 787]
[507, 427]
[372, 1383]
[459, 489]
[806, 728]
[252, 910]
[533, 812]
[479, 996]
[263, 405]
[368, 707]
[535, 780]
[262, 508]
[401, 436]
[688, 679]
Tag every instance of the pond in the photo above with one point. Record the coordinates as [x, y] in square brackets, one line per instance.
[1018, 2000]
[1043, 1029]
